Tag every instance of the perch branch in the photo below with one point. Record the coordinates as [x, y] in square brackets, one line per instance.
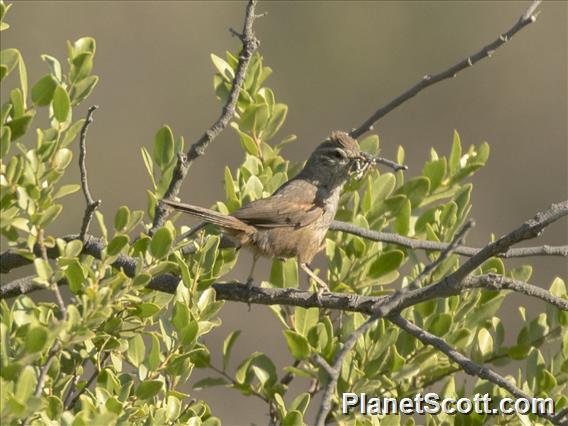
[198, 148]
[428, 80]
[91, 204]
[470, 367]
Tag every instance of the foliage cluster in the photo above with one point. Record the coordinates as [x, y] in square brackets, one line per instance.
[122, 353]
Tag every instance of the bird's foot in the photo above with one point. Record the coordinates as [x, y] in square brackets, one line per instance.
[250, 285]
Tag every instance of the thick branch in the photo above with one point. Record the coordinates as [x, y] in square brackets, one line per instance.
[416, 244]
[91, 204]
[470, 367]
[428, 80]
[198, 148]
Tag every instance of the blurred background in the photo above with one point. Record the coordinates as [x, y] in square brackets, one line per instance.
[334, 64]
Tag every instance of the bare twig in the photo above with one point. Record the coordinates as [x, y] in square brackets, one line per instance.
[416, 244]
[91, 204]
[470, 367]
[198, 148]
[428, 80]
[500, 282]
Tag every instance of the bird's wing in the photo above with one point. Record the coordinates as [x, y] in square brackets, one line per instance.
[292, 205]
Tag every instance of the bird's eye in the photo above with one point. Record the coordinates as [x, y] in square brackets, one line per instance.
[338, 154]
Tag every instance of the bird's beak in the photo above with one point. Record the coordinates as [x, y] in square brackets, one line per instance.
[372, 160]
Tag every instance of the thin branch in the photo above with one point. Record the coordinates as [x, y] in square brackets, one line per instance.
[333, 371]
[428, 80]
[198, 148]
[90, 381]
[91, 204]
[500, 282]
[53, 285]
[470, 367]
[416, 244]
[11, 259]
[447, 252]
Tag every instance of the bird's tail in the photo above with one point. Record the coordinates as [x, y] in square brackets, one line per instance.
[211, 216]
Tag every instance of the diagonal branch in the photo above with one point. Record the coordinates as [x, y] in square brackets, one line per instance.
[91, 204]
[428, 80]
[198, 148]
[457, 240]
[470, 367]
[416, 244]
[333, 371]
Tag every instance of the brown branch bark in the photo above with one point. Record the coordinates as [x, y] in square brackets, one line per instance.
[428, 80]
[470, 367]
[92, 205]
[198, 148]
[416, 244]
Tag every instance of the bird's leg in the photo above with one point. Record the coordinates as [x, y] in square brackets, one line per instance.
[250, 279]
[322, 285]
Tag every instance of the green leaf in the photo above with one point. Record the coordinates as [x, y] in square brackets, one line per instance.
[293, 418]
[161, 243]
[298, 344]
[5, 140]
[42, 268]
[117, 244]
[435, 171]
[54, 407]
[66, 190]
[301, 402]
[402, 220]
[121, 218]
[61, 159]
[284, 273]
[277, 118]
[146, 310]
[228, 346]
[387, 262]
[415, 190]
[455, 154]
[72, 132]
[305, 319]
[81, 90]
[26, 384]
[154, 358]
[75, 276]
[136, 350]
[441, 324]
[81, 66]
[223, 68]
[54, 67]
[209, 382]
[19, 126]
[36, 339]
[9, 58]
[49, 215]
[43, 90]
[61, 104]
[163, 152]
[149, 388]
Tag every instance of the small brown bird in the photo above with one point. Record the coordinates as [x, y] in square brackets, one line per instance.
[294, 220]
